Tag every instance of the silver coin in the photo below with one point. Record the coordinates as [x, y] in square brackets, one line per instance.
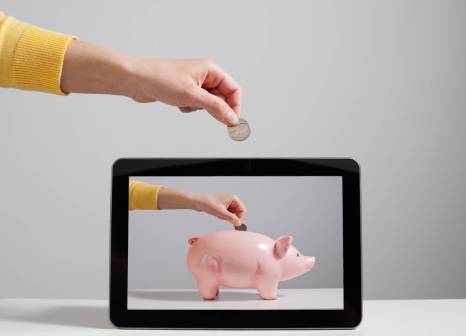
[240, 131]
[242, 227]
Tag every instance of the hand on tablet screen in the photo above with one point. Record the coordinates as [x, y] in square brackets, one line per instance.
[223, 206]
[146, 196]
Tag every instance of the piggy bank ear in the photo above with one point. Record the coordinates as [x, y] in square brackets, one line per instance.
[282, 244]
[192, 240]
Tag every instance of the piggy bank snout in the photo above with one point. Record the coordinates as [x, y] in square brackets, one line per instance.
[309, 263]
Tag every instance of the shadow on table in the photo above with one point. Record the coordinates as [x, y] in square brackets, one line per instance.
[192, 296]
[97, 317]
[77, 316]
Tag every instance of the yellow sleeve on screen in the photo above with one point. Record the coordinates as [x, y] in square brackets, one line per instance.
[142, 196]
[31, 58]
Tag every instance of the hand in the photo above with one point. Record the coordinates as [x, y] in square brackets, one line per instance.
[188, 84]
[223, 206]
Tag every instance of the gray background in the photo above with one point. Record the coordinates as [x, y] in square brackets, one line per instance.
[307, 208]
[381, 81]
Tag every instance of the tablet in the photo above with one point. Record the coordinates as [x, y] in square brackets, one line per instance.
[298, 264]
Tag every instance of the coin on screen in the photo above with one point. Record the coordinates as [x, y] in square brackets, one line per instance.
[240, 131]
[242, 227]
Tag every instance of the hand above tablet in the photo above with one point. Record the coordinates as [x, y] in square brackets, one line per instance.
[37, 59]
[190, 84]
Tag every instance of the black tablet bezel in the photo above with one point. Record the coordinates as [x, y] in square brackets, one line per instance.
[349, 317]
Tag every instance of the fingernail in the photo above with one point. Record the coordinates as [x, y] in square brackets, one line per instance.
[232, 118]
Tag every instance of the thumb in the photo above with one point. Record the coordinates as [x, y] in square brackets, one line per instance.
[216, 107]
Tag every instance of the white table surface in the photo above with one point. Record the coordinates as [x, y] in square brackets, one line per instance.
[304, 298]
[90, 317]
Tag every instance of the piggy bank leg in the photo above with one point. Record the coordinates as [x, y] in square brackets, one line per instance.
[208, 288]
[207, 278]
[267, 289]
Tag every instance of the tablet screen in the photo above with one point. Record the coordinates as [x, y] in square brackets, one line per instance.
[244, 265]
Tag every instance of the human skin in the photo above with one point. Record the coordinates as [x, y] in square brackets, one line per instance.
[225, 206]
[190, 84]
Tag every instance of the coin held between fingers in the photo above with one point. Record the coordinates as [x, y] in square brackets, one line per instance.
[240, 131]
[242, 227]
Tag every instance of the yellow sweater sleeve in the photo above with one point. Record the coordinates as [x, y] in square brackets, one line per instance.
[31, 58]
[143, 196]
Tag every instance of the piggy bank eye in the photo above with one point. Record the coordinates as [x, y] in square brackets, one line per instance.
[297, 254]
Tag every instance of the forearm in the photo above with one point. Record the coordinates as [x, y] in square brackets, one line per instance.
[176, 199]
[34, 58]
[89, 68]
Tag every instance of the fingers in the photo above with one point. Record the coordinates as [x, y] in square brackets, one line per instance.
[217, 93]
[223, 206]
[216, 106]
[232, 93]
[233, 210]
[229, 216]
[220, 81]
[212, 90]
[237, 207]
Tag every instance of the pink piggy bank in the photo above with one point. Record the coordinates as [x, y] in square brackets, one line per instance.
[243, 259]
